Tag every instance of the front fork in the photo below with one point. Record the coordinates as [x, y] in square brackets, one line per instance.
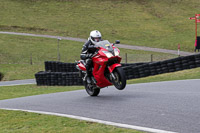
[111, 68]
[111, 74]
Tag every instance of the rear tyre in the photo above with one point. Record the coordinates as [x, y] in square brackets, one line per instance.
[91, 90]
[120, 81]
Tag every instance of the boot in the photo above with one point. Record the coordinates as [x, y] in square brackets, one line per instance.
[87, 78]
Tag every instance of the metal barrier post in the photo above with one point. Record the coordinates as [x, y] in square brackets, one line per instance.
[126, 57]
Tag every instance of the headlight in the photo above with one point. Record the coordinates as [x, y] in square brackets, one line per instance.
[116, 52]
[108, 54]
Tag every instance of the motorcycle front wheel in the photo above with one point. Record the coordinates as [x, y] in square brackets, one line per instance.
[91, 90]
[120, 79]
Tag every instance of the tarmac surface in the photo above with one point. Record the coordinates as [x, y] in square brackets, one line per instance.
[18, 82]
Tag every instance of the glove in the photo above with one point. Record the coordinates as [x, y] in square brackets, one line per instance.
[89, 55]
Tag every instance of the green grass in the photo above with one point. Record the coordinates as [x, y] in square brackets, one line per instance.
[7, 92]
[20, 71]
[153, 23]
[19, 50]
[18, 122]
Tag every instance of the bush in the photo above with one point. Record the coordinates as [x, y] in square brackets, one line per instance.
[1, 76]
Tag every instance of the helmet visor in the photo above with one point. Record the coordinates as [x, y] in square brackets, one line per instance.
[97, 39]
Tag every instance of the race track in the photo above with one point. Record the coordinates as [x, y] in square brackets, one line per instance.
[170, 106]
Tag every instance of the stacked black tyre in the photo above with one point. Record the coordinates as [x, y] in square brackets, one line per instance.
[58, 78]
[132, 70]
[197, 60]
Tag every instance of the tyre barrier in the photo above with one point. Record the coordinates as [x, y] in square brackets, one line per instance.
[160, 67]
[63, 74]
[58, 73]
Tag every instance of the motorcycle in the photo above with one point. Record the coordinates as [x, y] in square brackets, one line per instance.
[106, 68]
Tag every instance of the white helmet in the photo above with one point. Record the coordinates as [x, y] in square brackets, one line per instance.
[95, 36]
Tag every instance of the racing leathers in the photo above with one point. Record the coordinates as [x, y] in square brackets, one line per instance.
[86, 55]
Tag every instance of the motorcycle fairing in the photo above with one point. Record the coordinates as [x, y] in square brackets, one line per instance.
[98, 73]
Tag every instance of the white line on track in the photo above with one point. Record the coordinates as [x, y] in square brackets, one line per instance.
[146, 129]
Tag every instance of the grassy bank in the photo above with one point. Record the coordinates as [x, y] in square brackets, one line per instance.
[153, 23]
[20, 71]
[17, 52]
[24, 49]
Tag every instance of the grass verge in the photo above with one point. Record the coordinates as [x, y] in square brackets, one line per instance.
[20, 71]
[7, 92]
[17, 121]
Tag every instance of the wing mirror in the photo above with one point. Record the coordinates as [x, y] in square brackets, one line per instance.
[117, 42]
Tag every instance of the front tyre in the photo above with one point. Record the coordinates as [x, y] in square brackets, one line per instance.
[91, 90]
[120, 79]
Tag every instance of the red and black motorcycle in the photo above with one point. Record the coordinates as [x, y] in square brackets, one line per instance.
[106, 68]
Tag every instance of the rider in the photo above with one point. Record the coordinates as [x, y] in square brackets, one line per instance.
[86, 54]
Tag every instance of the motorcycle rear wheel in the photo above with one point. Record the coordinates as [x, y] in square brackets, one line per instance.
[91, 90]
[120, 81]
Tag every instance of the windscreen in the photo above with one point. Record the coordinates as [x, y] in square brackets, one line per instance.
[105, 44]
